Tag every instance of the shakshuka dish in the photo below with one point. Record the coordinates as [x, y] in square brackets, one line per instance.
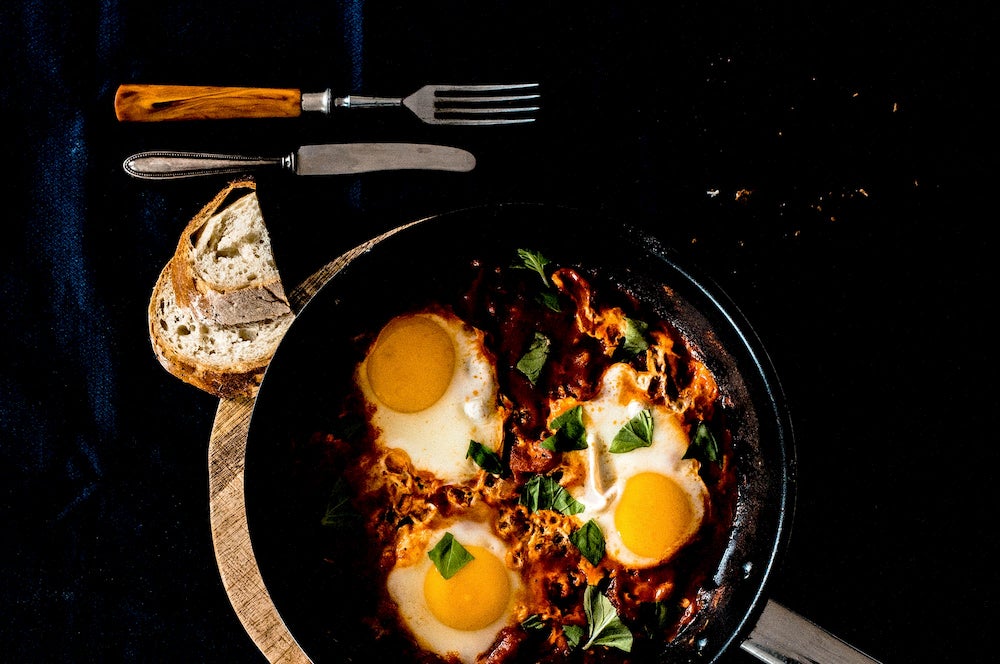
[537, 469]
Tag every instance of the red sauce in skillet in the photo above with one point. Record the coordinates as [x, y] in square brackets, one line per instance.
[502, 302]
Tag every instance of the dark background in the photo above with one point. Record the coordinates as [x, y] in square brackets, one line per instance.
[829, 166]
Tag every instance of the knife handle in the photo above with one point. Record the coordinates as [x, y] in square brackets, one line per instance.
[174, 165]
[153, 103]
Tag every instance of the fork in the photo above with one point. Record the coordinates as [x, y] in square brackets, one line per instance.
[512, 103]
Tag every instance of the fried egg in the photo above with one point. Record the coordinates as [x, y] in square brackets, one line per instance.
[461, 615]
[648, 501]
[433, 389]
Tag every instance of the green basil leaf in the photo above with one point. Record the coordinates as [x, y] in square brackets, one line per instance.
[606, 628]
[572, 422]
[533, 360]
[544, 493]
[485, 458]
[533, 260]
[703, 445]
[635, 337]
[550, 299]
[637, 433]
[663, 613]
[589, 538]
[570, 434]
[533, 623]
[449, 556]
[574, 634]
[339, 511]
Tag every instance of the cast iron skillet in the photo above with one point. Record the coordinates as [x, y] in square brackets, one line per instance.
[430, 258]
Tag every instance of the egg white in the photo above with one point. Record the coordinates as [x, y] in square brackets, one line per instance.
[405, 584]
[621, 397]
[437, 438]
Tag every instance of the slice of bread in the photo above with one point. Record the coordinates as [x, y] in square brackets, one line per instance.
[220, 340]
[227, 361]
[226, 272]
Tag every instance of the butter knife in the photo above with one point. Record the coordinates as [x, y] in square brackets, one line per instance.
[327, 159]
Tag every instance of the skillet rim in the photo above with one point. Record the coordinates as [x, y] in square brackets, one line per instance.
[739, 627]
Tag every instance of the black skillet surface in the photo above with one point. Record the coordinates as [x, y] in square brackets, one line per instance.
[428, 262]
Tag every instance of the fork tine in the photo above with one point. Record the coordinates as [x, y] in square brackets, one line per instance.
[484, 100]
[506, 103]
[491, 121]
[480, 110]
[483, 88]
[448, 107]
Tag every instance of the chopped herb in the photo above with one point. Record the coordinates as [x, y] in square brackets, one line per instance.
[339, 511]
[533, 623]
[574, 634]
[485, 458]
[663, 613]
[703, 445]
[550, 299]
[533, 260]
[544, 493]
[533, 360]
[635, 337]
[637, 433]
[606, 628]
[570, 434]
[589, 538]
[449, 556]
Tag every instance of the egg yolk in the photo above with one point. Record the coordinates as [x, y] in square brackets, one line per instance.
[475, 597]
[412, 363]
[654, 515]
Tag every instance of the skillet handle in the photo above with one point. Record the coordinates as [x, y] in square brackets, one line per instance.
[782, 636]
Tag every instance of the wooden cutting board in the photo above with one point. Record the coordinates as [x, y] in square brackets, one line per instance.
[234, 554]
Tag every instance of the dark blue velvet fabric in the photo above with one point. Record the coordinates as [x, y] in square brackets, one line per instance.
[824, 164]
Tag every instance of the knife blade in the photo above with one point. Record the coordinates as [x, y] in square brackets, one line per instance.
[323, 159]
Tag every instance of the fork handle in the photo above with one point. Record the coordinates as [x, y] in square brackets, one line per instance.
[152, 103]
[359, 101]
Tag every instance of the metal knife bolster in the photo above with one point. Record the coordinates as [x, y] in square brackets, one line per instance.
[318, 101]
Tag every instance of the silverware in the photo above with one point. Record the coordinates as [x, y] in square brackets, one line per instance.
[329, 159]
[513, 103]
